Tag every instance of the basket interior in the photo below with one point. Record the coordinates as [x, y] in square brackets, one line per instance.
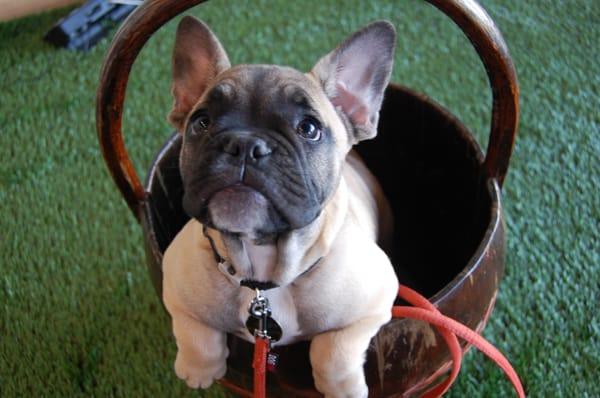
[430, 169]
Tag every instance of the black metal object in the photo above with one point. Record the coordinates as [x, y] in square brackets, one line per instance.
[86, 25]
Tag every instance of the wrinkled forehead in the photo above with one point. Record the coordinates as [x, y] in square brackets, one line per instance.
[266, 86]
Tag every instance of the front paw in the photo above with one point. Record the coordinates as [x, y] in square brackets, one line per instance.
[335, 385]
[197, 373]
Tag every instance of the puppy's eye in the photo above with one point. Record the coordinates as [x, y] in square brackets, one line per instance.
[200, 122]
[309, 128]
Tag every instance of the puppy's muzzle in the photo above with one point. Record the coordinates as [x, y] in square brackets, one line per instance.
[244, 146]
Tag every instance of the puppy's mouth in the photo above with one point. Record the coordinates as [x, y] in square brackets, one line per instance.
[241, 209]
[260, 200]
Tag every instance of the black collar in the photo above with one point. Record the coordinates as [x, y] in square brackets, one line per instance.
[217, 256]
[249, 283]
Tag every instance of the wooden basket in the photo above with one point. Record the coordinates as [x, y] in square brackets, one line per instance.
[445, 196]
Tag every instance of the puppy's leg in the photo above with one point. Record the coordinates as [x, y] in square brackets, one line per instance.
[201, 353]
[337, 358]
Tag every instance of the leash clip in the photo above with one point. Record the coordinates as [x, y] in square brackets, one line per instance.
[259, 308]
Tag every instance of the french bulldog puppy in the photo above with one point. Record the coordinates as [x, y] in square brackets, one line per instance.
[278, 201]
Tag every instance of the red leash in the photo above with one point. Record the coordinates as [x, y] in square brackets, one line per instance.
[417, 300]
[261, 349]
[423, 310]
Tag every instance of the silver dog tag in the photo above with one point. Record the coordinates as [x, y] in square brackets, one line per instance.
[260, 323]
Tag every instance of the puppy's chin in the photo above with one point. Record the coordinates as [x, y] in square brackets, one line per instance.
[241, 210]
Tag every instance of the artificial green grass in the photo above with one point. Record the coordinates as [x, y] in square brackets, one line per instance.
[78, 314]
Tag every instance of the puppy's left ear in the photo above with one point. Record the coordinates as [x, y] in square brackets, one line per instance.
[355, 75]
[198, 58]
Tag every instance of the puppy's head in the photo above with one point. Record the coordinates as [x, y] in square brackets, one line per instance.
[263, 145]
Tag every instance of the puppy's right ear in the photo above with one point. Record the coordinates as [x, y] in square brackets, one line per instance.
[198, 58]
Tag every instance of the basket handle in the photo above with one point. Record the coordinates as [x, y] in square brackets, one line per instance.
[125, 47]
[483, 34]
[152, 14]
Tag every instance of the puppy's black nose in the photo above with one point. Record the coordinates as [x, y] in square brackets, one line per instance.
[248, 147]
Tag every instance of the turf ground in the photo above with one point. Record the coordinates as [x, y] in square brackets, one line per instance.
[78, 315]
